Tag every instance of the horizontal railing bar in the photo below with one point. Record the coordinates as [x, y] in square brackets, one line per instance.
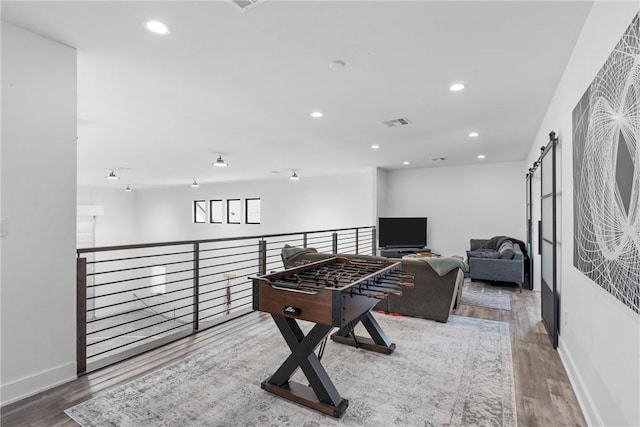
[319, 241]
[140, 267]
[228, 271]
[213, 306]
[224, 248]
[128, 301]
[137, 320]
[135, 289]
[229, 263]
[135, 341]
[221, 312]
[138, 257]
[229, 255]
[223, 296]
[140, 278]
[221, 289]
[139, 329]
[273, 242]
[321, 248]
[137, 309]
[222, 239]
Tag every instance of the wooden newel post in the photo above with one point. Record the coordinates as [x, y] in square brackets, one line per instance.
[357, 241]
[334, 245]
[304, 240]
[81, 315]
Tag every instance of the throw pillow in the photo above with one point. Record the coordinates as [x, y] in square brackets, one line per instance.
[506, 250]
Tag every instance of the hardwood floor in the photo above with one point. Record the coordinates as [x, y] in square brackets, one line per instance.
[544, 396]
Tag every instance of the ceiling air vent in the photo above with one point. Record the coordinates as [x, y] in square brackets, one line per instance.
[245, 5]
[397, 122]
[438, 159]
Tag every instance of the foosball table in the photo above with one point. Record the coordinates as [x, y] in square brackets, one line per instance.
[332, 293]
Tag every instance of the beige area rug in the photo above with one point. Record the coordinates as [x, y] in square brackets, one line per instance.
[458, 373]
[486, 295]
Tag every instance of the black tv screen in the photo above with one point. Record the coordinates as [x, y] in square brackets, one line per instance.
[402, 232]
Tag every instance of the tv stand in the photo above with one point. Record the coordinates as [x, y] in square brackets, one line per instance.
[400, 252]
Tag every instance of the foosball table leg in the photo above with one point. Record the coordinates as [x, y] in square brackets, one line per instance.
[321, 394]
[378, 342]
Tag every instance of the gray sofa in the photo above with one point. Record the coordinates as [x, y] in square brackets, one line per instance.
[432, 297]
[504, 263]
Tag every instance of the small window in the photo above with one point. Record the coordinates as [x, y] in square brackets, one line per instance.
[252, 210]
[200, 211]
[215, 211]
[233, 211]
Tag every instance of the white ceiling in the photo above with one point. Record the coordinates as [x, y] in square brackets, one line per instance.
[158, 108]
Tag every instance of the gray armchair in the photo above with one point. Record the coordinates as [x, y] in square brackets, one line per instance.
[506, 264]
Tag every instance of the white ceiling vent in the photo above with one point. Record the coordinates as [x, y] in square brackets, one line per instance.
[438, 159]
[245, 5]
[397, 122]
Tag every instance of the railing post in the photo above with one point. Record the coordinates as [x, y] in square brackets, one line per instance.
[81, 315]
[357, 241]
[262, 257]
[334, 243]
[374, 249]
[196, 286]
[304, 240]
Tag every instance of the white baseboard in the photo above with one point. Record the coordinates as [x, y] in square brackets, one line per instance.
[587, 406]
[33, 384]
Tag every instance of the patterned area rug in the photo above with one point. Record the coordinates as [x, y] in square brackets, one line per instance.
[455, 374]
[485, 295]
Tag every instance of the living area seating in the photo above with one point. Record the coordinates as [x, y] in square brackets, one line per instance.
[499, 259]
[433, 296]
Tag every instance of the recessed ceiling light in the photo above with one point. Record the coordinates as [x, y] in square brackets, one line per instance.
[294, 177]
[375, 146]
[481, 156]
[316, 114]
[405, 163]
[128, 188]
[157, 27]
[456, 87]
[195, 184]
[473, 134]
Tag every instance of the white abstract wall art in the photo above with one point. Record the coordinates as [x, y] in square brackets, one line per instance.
[606, 173]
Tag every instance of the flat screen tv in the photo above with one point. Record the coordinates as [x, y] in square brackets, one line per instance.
[402, 232]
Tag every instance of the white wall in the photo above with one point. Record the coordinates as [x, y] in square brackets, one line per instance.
[118, 224]
[313, 203]
[600, 337]
[38, 249]
[461, 202]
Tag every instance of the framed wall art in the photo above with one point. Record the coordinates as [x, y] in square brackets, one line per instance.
[216, 211]
[199, 211]
[252, 210]
[233, 211]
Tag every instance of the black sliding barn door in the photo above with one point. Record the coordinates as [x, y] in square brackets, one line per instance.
[528, 279]
[548, 241]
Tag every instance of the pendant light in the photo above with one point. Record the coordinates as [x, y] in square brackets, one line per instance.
[220, 162]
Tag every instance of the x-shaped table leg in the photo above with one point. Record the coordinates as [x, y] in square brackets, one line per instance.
[378, 342]
[323, 395]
